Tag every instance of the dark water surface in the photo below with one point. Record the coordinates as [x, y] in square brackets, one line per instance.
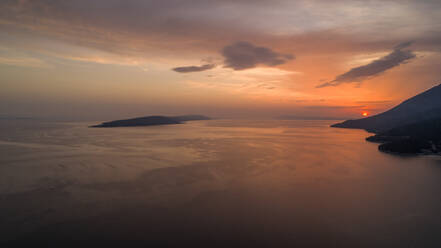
[215, 183]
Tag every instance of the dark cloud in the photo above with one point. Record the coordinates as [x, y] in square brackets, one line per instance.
[356, 75]
[186, 69]
[403, 45]
[240, 56]
[243, 55]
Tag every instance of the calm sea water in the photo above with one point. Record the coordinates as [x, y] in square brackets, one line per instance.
[218, 183]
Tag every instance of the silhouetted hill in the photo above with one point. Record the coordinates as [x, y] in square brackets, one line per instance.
[425, 106]
[152, 121]
[420, 137]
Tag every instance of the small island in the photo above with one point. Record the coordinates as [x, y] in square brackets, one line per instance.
[152, 121]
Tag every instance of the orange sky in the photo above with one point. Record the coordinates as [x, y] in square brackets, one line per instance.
[114, 58]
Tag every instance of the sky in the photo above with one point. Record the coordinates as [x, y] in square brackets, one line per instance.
[110, 59]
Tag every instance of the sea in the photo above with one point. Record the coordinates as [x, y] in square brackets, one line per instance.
[215, 183]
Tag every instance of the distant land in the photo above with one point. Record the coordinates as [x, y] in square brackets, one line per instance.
[300, 117]
[421, 137]
[412, 127]
[152, 121]
[425, 106]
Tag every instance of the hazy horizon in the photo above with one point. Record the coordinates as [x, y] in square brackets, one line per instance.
[127, 116]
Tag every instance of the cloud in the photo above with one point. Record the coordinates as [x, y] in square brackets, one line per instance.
[356, 75]
[146, 29]
[403, 45]
[243, 55]
[187, 69]
[240, 56]
[24, 62]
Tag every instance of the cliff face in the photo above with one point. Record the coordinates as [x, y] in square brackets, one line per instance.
[425, 106]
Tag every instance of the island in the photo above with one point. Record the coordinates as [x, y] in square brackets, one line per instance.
[152, 121]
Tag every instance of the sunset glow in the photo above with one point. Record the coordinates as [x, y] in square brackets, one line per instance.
[126, 59]
[220, 123]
